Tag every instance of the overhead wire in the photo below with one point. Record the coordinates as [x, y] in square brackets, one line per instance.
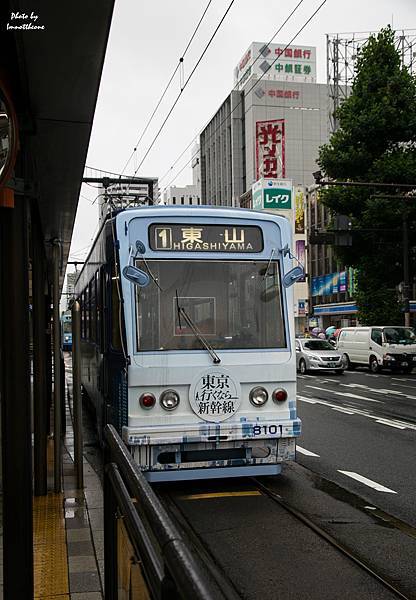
[235, 87]
[91, 185]
[180, 62]
[247, 92]
[184, 86]
[86, 198]
[102, 171]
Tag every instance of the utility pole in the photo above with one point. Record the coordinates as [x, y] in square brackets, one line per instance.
[108, 181]
[406, 282]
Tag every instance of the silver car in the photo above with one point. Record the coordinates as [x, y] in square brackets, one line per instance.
[317, 355]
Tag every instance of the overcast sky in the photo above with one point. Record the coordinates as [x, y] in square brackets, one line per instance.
[146, 41]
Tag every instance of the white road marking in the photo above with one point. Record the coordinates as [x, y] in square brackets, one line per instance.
[308, 400]
[361, 412]
[355, 385]
[345, 411]
[369, 482]
[368, 374]
[349, 395]
[345, 394]
[306, 452]
[408, 387]
[390, 423]
[380, 391]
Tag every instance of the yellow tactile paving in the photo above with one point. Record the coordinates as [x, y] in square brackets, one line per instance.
[59, 597]
[50, 552]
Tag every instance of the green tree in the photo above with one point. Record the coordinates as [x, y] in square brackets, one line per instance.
[376, 142]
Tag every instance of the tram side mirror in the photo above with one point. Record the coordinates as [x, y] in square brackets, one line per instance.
[136, 276]
[292, 276]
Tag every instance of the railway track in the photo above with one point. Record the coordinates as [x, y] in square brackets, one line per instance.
[175, 501]
[336, 544]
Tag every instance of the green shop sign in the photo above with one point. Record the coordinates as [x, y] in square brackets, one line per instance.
[273, 194]
[280, 198]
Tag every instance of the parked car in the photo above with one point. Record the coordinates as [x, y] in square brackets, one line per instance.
[313, 354]
[383, 347]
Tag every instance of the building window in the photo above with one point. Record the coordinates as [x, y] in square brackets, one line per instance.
[182, 200]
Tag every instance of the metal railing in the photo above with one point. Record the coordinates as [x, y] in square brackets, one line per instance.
[169, 566]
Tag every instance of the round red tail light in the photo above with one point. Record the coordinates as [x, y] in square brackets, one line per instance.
[147, 400]
[279, 395]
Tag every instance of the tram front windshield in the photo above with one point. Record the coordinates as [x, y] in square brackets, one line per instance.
[232, 304]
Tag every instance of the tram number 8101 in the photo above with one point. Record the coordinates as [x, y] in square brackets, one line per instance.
[265, 430]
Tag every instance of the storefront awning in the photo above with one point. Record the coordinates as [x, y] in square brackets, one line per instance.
[340, 308]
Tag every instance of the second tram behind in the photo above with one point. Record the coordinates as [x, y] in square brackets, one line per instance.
[188, 339]
[66, 331]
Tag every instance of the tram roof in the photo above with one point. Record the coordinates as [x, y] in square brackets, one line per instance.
[195, 211]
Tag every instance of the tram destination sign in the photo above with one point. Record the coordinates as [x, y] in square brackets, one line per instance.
[175, 237]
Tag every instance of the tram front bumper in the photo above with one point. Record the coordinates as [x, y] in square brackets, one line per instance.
[213, 445]
[211, 432]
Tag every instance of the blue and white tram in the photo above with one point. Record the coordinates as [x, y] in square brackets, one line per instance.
[66, 331]
[188, 339]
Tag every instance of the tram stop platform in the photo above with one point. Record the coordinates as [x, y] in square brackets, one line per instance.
[68, 528]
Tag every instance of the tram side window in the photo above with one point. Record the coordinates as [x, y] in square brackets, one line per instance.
[115, 312]
[98, 307]
[93, 324]
[104, 307]
[82, 299]
[87, 313]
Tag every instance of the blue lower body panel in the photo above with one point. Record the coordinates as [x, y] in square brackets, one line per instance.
[214, 473]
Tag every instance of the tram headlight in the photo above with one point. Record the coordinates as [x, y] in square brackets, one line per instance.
[279, 395]
[147, 400]
[169, 399]
[258, 396]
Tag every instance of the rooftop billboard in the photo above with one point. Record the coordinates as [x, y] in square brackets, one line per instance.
[275, 61]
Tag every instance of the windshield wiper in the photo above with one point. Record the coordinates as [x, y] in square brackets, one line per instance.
[148, 268]
[266, 274]
[181, 311]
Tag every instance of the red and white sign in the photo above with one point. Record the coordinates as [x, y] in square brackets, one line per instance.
[270, 149]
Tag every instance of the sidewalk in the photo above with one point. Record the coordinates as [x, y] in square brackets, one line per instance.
[69, 529]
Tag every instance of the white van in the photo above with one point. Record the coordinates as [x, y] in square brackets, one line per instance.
[388, 347]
